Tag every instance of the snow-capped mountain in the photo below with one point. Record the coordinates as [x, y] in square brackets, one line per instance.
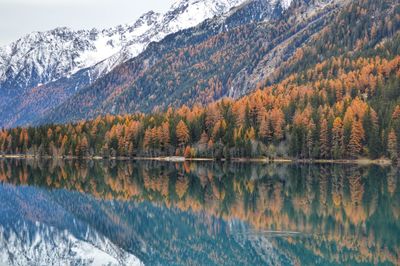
[47, 233]
[41, 57]
[44, 70]
[40, 244]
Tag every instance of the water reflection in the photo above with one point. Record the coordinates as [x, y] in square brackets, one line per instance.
[207, 213]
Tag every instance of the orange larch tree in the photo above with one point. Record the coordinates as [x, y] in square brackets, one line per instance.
[182, 133]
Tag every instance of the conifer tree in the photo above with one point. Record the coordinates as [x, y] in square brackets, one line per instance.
[392, 145]
[324, 140]
[337, 138]
[182, 133]
[356, 138]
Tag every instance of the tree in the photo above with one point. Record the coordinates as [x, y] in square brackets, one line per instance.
[277, 121]
[371, 129]
[23, 140]
[188, 152]
[356, 138]
[82, 147]
[265, 131]
[203, 139]
[309, 143]
[213, 115]
[182, 133]
[337, 138]
[392, 145]
[250, 134]
[165, 135]
[210, 147]
[324, 140]
[147, 141]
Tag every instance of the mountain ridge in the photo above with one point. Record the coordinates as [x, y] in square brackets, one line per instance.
[175, 71]
[42, 58]
[257, 42]
[91, 47]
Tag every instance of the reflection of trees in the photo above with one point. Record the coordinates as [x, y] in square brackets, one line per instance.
[353, 212]
[353, 206]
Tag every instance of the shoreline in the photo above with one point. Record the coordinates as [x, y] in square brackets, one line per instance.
[361, 161]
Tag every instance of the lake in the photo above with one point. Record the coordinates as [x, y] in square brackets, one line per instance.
[204, 213]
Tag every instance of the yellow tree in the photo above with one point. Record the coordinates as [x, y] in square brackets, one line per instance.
[147, 141]
[337, 138]
[188, 152]
[213, 115]
[277, 121]
[165, 136]
[356, 138]
[182, 133]
[23, 140]
[265, 131]
[250, 134]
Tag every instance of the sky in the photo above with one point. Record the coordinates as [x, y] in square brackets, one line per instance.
[20, 17]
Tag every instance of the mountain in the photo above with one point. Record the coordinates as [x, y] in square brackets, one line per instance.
[40, 244]
[30, 63]
[46, 233]
[336, 97]
[42, 57]
[229, 55]
[61, 227]
[256, 42]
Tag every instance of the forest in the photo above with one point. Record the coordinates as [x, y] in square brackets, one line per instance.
[345, 107]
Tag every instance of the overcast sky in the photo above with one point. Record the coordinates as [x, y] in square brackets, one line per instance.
[19, 17]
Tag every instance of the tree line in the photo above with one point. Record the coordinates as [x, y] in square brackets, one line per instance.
[342, 108]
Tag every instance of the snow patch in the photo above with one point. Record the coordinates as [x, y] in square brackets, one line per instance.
[40, 244]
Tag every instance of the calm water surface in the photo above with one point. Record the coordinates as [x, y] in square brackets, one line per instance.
[152, 213]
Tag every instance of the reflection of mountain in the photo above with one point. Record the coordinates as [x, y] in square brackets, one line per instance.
[344, 214]
[40, 227]
[35, 230]
[42, 245]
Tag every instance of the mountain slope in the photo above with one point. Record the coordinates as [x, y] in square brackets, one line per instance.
[36, 230]
[257, 42]
[36, 62]
[226, 56]
[41, 57]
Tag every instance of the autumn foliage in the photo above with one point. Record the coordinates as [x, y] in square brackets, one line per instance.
[341, 108]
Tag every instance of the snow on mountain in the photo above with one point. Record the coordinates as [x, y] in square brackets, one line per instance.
[41, 57]
[40, 244]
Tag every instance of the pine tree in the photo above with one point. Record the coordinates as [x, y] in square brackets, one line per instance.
[265, 131]
[203, 139]
[309, 143]
[392, 145]
[324, 140]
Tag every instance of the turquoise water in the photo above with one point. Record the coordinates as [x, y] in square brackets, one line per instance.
[152, 213]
